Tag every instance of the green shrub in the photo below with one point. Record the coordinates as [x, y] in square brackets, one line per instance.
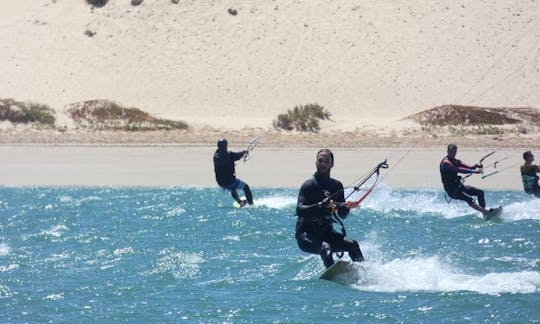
[26, 113]
[302, 118]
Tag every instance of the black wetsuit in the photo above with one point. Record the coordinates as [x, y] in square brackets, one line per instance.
[226, 174]
[224, 166]
[314, 223]
[452, 181]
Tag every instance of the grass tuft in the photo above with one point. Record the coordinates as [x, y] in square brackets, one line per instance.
[302, 118]
[28, 113]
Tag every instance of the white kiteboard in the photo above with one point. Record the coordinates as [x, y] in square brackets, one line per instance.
[493, 212]
[336, 269]
[237, 205]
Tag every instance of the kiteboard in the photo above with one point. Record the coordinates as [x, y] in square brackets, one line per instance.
[237, 205]
[493, 212]
[335, 269]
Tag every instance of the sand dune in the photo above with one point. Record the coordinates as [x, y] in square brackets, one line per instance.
[368, 62]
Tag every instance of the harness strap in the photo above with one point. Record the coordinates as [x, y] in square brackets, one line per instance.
[336, 219]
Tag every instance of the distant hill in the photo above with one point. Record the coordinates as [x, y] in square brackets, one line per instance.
[478, 120]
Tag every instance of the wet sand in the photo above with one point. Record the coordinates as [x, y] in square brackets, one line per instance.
[270, 167]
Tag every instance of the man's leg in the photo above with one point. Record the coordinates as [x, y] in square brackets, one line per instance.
[249, 195]
[478, 193]
[235, 196]
[312, 244]
[353, 248]
[342, 243]
[461, 195]
[326, 254]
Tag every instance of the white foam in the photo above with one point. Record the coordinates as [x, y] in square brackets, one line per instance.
[55, 231]
[276, 201]
[4, 249]
[432, 274]
[527, 209]
[424, 202]
[432, 202]
[179, 264]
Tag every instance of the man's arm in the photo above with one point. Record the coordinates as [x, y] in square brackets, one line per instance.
[235, 156]
[343, 210]
[460, 168]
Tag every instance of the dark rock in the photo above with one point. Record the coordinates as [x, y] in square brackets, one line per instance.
[89, 33]
[232, 11]
[97, 3]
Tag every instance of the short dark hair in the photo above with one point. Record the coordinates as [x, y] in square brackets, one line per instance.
[526, 154]
[451, 147]
[222, 143]
[326, 151]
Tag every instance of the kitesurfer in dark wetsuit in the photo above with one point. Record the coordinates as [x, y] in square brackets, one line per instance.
[450, 167]
[226, 175]
[529, 175]
[320, 197]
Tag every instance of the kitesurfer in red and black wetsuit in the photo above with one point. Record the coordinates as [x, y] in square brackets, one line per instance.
[450, 167]
[529, 175]
[226, 175]
[320, 197]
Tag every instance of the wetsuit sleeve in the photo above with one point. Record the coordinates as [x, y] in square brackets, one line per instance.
[305, 203]
[458, 167]
[235, 156]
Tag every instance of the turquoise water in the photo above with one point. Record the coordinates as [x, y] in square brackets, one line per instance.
[183, 254]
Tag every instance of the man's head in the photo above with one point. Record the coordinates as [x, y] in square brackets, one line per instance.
[451, 150]
[325, 161]
[528, 156]
[222, 143]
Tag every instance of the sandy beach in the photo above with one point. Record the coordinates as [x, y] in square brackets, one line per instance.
[370, 63]
[270, 167]
[229, 68]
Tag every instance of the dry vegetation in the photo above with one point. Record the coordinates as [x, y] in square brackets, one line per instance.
[36, 115]
[103, 122]
[302, 118]
[108, 115]
[460, 120]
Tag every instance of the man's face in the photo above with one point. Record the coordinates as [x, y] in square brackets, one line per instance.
[324, 162]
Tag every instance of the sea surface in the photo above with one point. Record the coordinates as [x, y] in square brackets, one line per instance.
[183, 254]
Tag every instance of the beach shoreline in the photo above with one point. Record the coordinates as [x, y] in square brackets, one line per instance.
[270, 167]
[268, 138]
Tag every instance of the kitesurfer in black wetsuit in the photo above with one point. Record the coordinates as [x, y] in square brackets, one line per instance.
[319, 198]
[529, 175]
[450, 167]
[226, 175]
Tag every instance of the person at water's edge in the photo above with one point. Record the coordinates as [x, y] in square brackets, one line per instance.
[320, 197]
[226, 174]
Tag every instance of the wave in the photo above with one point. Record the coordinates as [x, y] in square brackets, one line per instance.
[432, 274]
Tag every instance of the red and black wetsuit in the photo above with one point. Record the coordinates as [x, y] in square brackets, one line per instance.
[314, 223]
[450, 167]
